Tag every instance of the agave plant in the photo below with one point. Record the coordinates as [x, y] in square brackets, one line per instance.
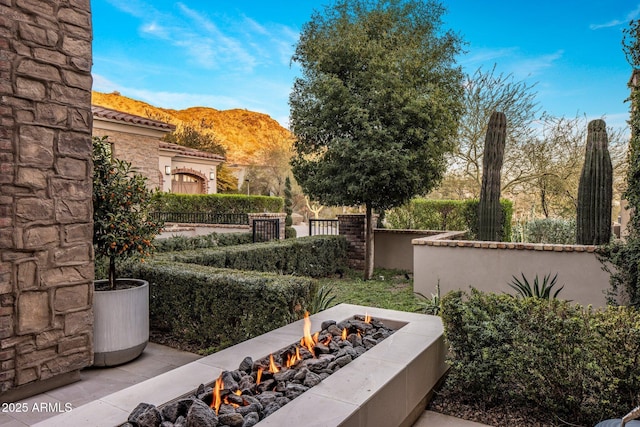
[536, 290]
[322, 300]
[430, 305]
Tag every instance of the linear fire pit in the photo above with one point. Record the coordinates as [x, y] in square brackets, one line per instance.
[386, 386]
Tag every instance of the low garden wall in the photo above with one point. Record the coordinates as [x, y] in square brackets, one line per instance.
[392, 248]
[489, 267]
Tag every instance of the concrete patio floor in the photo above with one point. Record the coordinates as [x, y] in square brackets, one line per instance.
[156, 359]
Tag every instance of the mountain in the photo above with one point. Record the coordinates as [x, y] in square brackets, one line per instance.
[246, 135]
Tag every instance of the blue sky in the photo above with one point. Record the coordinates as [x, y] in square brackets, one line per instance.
[236, 54]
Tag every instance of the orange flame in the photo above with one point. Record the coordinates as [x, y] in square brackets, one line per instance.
[273, 368]
[367, 318]
[307, 340]
[238, 392]
[344, 334]
[327, 340]
[216, 402]
[259, 376]
[293, 359]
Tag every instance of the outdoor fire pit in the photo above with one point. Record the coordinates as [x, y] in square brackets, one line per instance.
[385, 384]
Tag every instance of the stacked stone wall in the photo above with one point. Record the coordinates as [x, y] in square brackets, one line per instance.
[141, 151]
[46, 253]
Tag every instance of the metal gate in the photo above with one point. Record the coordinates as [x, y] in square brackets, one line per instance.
[266, 229]
[323, 226]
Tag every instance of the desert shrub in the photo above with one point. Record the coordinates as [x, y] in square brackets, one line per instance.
[558, 358]
[217, 308]
[316, 256]
[216, 203]
[212, 240]
[547, 230]
[459, 215]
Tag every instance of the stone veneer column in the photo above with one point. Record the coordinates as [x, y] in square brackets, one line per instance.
[354, 227]
[46, 251]
[266, 215]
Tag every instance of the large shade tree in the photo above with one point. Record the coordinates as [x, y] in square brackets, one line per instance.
[377, 106]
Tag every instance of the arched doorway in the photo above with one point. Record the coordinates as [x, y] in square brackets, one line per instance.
[188, 181]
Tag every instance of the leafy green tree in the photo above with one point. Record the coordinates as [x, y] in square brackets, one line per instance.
[121, 200]
[377, 106]
[625, 256]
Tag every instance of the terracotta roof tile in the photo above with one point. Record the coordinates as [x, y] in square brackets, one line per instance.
[187, 151]
[108, 113]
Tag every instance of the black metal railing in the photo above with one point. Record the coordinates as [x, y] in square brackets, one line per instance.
[319, 227]
[201, 217]
[265, 230]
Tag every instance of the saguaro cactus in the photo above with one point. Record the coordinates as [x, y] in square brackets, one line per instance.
[596, 188]
[489, 209]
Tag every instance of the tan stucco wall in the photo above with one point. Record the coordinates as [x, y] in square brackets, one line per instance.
[490, 269]
[393, 248]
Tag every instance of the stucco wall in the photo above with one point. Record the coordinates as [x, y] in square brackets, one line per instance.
[46, 271]
[489, 266]
[393, 248]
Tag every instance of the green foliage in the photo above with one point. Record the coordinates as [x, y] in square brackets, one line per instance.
[216, 203]
[535, 289]
[218, 308]
[288, 203]
[212, 240]
[322, 300]
[489, 209]
[377, 104]
[198, 135]
[596, 189]
[431, 305]
[621, 259]
[458, 215]
[316, 256]
[121, 200]
[290, 233]
[558, 358]
[546, 230]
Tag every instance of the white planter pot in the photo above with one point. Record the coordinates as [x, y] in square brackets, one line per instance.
[120, 324]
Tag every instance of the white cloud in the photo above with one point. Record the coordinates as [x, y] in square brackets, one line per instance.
[618, 22]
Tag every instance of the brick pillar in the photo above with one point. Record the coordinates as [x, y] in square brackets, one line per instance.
[354, 227]
[46, 251]
[266, 215]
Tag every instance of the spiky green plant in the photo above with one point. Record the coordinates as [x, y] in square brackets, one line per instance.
[322, 300]
[536, 289]
[430, 305]
[489, 209]
[596, 189]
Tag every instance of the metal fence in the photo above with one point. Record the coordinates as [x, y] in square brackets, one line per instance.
[201, 217]
[265, 230]
[319, 227]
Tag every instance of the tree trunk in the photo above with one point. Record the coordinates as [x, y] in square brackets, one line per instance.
[112, 272]
[368, 245]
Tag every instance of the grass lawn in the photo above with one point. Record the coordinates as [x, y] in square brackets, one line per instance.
[388, 289]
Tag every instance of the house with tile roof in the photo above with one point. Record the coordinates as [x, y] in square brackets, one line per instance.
[168, 167]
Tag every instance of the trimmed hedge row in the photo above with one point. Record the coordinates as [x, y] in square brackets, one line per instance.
[212, 240]
[580, 365]
[217, 203]
[316, 256]
[217, 308]
[459, 215]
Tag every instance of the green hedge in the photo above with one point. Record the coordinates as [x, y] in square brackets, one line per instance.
[217, 308]
[458, 215]
[573, 363]
[212, 240]
[316, 256]
[217, 203]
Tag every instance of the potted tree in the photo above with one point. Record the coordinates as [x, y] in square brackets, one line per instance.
[121, 230]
